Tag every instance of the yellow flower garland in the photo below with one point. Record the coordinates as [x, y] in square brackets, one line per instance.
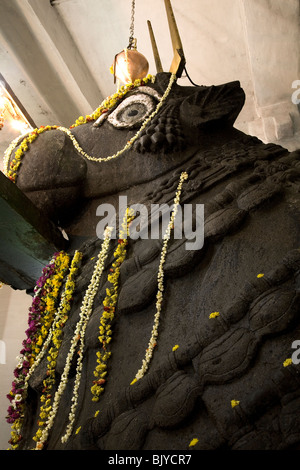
[24, 147]
[98, 269]
[10, 170]
[55, 335]
[52, 286]
[214, 315]
[78, 338]
[287, 362]
[193, 442]
[109, 304]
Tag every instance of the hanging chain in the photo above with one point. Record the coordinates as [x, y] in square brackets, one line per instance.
[132, 41]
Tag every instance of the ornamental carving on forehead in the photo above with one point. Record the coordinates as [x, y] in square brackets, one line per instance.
[163, 132]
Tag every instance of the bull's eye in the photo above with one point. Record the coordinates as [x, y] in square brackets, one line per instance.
[134, 109]
[133, 112]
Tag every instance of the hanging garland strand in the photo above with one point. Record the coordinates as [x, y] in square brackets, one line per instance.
[113, 100]
[78, 338]
[131, 36]
[52, 287]
[160, 277]
[107, 315]
[41, 319]
[72, 415]
[10, 169]
[17, 395]
[109, 306]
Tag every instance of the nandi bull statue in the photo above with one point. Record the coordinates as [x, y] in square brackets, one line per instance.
[168, 342]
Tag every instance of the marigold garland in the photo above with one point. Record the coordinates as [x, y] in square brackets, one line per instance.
[78, 338]
[112, 101]
[101, 260]
[109, 306]
[159, 296]
[10, 169]
[54, 340]
[52, 287]
[41, 314]
[17, 395]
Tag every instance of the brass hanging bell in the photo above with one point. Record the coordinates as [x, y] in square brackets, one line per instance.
[130, 65]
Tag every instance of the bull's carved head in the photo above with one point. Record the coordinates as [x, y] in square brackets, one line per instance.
[54, 175]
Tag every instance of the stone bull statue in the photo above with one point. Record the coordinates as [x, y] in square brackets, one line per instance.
[185, 340]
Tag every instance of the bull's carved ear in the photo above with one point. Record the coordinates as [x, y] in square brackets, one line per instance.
[207, 105]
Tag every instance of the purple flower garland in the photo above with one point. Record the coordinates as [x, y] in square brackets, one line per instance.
[17, 395]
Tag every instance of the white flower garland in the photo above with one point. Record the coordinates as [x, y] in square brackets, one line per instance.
[132, 140]
[85, 312]
[160, 277]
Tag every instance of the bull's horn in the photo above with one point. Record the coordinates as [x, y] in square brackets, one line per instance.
[178, 62]
[155, 49]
